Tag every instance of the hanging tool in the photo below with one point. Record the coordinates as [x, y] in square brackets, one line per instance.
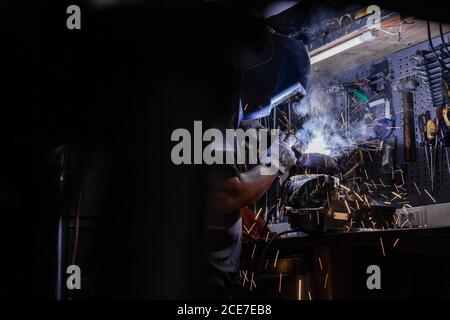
[428, 132]
[422, 121]
[406, 87]
[443, 117]
[431, 141]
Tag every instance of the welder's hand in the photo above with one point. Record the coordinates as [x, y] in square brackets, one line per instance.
[287, 156]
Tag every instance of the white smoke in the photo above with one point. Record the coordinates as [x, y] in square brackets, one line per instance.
[323, 130]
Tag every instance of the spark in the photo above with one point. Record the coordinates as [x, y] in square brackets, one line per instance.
[276, 259]
[254, 249]
[359, 197]
[350, 226]
[404, 223]
[367, 201]
[320, 264]
[426, 191]
[395, 243]
[252, 282]
[279, 283]
[396, 195]
[257, 215]
[418, 191]
[401, 175]
[351, 170]
[373, 183]
[251, 228]
[300, 289]
[309, 295]
[245, 277]
[346, 205]
[382, 247]
[326, 281]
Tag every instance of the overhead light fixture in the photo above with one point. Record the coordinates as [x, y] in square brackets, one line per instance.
[342, 46]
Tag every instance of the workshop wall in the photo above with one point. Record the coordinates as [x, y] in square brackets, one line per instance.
[400, 65]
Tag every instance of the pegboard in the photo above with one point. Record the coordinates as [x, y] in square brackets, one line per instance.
[401, 66]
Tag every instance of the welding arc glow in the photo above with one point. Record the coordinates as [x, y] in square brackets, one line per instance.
[318, 145]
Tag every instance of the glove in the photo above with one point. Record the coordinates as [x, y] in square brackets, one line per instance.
[285, 158]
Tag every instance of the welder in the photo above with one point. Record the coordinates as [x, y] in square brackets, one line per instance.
[272, 75]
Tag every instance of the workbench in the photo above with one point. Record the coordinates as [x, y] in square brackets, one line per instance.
[413, 263]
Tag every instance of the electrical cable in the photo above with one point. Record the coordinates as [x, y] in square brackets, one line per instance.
[443, 40]
[398, 33]
[443, 65]
[269, 244]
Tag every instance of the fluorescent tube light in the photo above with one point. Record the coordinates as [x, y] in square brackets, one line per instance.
[341, 47]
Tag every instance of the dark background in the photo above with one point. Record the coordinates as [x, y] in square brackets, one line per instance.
[112, 93]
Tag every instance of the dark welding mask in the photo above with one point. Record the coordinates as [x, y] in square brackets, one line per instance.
[278, 72]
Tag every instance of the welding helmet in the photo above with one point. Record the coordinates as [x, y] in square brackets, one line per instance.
[276, 73]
